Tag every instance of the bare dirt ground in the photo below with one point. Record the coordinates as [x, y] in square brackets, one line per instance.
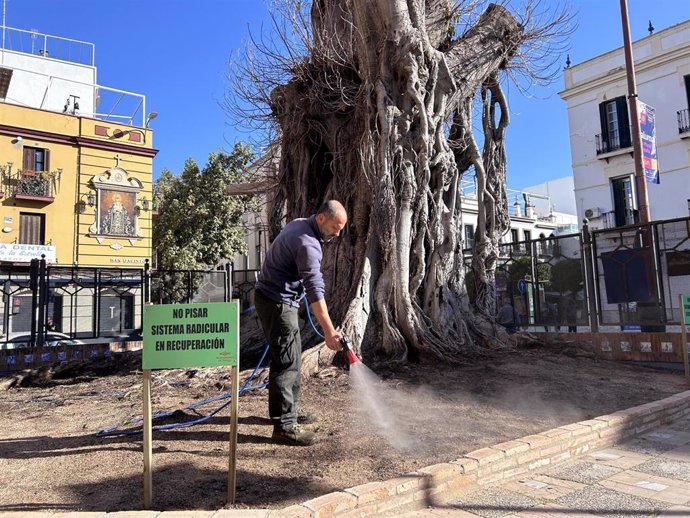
[51, 459]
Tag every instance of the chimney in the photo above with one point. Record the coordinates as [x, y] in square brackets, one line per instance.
[517, 209]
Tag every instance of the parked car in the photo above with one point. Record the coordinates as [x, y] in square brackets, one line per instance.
[53, 339]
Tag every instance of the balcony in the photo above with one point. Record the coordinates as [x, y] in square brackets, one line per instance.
[614, 219]
[684, 123]
[34, 186]
[609, 145]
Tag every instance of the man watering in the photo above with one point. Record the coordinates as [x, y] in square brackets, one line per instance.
[292, 267]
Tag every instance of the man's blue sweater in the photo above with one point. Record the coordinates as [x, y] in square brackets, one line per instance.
[293, 264]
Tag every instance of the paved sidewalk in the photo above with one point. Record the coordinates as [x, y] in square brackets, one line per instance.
[647, 476]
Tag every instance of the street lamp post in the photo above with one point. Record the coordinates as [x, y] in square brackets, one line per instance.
[640, 181]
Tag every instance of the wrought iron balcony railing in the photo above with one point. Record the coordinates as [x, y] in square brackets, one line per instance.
[608, 143]
[34, 185]
[684, 121]
[619, 218]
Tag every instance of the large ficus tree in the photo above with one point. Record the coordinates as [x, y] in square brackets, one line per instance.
[375, 109]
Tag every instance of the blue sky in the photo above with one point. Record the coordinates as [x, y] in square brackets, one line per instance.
[176, 52]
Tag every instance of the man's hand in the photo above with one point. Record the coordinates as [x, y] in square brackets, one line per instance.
[332, 335]
[333, 342]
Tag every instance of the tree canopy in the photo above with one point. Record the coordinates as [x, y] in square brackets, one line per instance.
[198, 224]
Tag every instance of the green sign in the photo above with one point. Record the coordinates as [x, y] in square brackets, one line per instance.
[685, 309]
[191, 335]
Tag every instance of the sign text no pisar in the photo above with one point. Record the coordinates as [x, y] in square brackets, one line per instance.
[191, 335]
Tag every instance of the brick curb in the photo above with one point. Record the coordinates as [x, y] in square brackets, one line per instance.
[441, 483]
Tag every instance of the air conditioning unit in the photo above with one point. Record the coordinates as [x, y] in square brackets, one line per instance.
[593, 213]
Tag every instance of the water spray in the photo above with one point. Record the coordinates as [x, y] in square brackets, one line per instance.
[347, 348]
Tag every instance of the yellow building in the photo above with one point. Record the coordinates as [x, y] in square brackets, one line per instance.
[74, 187]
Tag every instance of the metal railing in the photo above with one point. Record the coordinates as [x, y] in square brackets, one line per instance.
[97, 303]
[618, 218]
[33, 184]
[683, 121]
[628, 276]
[608, 143]
[45, 45]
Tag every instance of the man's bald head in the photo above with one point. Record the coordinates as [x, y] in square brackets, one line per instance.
[331, 209]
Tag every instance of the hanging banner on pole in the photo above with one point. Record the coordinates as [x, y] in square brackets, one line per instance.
[648, 135]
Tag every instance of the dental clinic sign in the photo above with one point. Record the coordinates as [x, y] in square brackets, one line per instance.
[17, 253]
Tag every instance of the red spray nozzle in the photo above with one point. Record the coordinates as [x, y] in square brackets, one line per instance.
[352, 357]
[347, 347]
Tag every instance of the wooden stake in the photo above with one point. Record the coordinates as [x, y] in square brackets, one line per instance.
[148, 449]
[232, 468]
[684, 339]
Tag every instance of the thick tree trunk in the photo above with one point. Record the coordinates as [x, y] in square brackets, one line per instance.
[364, 121]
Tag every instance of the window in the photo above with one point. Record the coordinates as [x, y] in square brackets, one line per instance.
[687, 89]
[31, 228]
[615, 126]
[116, 313]
[623, 201]
[36, 159]
[258, 250]
[469, 235]
[527, 234]
[514, 235]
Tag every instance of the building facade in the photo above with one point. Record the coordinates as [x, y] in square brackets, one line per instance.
[75, 186]
[76, 180]
[600, 137]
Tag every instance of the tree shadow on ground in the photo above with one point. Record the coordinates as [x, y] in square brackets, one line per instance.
[179, 486]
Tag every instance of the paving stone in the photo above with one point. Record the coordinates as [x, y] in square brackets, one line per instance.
[675, 512]
[617, 458]
[649, 486]
[666, 435]
[645, 446]
[542, 487]
[582, 472]
[494, 502]
[606, 503]
[439, 512]
[682, 453]
[551, 510]
[668, 468]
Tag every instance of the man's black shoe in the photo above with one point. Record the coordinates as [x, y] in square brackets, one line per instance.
[306, 417]
[294, 435]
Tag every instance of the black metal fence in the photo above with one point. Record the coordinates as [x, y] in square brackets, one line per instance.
[543, 280]
[95, 303]
[639, 273]
[629, 277]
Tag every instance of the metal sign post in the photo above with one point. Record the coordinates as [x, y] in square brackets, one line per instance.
[188, 336]
[684, 321]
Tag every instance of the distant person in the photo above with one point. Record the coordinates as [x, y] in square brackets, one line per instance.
[292, 267]
[508, 317]
[50, 325]
[550, 314]
[571, 315]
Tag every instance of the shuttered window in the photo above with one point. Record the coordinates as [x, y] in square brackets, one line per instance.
[615, 124]
[31, 228]
[36, 159]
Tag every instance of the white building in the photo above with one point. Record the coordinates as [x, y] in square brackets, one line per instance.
[560, 193]
[532, 215]
[600, 141]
